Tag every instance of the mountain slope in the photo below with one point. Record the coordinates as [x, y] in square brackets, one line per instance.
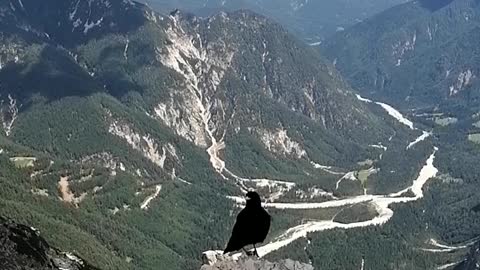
[421, 53]
[423, 57]
[321, 97]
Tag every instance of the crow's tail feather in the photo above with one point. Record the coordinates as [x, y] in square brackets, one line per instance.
[230, 248]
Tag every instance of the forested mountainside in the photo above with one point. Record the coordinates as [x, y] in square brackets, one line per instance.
[422, 53]
[312, 21]
[421, 56]
[128, 137]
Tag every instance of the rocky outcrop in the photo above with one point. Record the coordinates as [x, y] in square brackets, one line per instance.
[22, 247]
[251, 263]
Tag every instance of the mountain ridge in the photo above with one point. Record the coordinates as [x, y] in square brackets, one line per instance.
[308, 20]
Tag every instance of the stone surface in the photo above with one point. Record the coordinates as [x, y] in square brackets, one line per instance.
[22, 247]
[251, 263]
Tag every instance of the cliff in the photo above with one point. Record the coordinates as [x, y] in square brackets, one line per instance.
[22, 247]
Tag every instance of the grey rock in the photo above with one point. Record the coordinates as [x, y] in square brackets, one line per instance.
[22, 247]
[250, 263]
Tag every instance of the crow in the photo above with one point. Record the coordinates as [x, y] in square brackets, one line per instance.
[251, 227]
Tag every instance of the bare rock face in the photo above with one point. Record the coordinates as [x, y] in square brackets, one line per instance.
[253, 263]
[22, 247]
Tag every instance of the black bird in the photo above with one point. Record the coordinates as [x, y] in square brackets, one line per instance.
[251, 227]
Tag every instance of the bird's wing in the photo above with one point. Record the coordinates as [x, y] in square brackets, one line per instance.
[267, 219]
[239, 232]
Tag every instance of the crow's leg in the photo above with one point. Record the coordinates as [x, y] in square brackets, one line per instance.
[248, 252]
[255, 251]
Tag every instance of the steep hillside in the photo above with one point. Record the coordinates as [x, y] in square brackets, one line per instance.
[24, 248]
[418, 54]
[127, 134]
[423, 57]
[197, 78]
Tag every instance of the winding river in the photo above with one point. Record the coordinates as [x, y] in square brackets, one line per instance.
[380, 202]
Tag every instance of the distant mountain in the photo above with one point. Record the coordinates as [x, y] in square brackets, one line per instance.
[420, 54]
[312, 21]
[124, 130]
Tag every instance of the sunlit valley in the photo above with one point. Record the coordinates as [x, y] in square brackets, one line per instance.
[130, 132]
